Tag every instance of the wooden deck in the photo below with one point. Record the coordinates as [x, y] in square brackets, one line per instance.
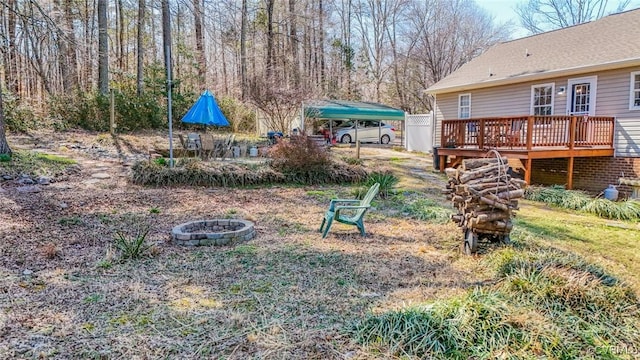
[527, 138]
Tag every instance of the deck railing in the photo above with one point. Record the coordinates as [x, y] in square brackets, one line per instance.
[528, 132]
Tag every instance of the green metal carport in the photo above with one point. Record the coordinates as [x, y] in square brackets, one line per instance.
[351, 110]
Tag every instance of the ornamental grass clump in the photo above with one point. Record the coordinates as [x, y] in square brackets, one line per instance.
[544, 304]
[578, 200]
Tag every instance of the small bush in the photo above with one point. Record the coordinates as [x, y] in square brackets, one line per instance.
[132, 247]
[5, 157]
[299, 155]
[18, 115]
[387, 181]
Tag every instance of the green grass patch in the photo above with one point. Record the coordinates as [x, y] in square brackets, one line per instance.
[35, 163]
[427, 209]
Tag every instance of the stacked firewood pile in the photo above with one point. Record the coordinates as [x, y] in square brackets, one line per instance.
[484, 194]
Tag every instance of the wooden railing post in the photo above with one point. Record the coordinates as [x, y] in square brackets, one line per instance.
[572, 132]
[481, 134]
[530, 122]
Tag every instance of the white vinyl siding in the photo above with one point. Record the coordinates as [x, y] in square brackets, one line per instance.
[542, 99]
[464, 106]
[634, 91]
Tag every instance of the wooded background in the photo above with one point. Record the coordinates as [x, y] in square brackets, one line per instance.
[263, 53]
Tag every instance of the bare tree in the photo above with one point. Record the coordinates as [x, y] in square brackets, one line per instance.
[543, 15]
[439, 37]
[200, 54]
[243, 50]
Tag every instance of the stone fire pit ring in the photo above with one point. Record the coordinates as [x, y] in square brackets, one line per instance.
[213, 232]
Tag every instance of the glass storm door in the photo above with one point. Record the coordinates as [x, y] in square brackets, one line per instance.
[581, 99]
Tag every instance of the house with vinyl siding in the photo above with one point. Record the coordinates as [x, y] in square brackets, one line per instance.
[563, 105]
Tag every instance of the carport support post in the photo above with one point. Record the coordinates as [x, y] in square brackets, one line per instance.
[357, 149]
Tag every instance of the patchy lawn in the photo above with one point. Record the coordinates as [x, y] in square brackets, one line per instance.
[286, 294]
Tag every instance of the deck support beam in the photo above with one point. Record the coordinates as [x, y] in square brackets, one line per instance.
[570, 174]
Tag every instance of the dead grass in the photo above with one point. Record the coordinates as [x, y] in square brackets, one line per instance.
[287, 294]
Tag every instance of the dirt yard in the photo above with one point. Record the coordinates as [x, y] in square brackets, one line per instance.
[285, 294]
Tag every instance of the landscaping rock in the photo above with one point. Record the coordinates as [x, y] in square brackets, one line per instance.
[101, 176]
[28, 189]
[7, 177]
[26, 181]
[44, 180]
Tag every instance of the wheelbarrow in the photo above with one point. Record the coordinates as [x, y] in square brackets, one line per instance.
[472, 237]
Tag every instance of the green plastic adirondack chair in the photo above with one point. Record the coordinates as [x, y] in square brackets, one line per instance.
[356, 219]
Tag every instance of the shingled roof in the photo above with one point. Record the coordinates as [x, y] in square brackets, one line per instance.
[608, 43]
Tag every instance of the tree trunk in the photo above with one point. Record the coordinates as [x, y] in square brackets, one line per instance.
[121, 54]
[200, 55]
[166, 37]
[12, 58]
[72, 56]
[140, 49]
[243, 51]
[293, 40]
[270, 4]
[4, 146]
[321, 50]
[103, 48]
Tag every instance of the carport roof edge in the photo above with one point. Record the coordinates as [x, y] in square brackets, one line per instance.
[357, 110]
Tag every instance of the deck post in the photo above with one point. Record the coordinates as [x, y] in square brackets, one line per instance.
[570, 174]
[572, 132]
[530, 122]
[527, 174]
[481, 134]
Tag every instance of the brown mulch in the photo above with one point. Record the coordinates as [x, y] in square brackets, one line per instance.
[64, 293]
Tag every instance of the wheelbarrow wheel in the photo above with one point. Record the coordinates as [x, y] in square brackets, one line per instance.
[470, 242]
[506, 239]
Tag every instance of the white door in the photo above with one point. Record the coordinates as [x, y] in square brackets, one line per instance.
[581, 96]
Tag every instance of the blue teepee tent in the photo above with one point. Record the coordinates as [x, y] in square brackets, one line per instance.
[206, 112]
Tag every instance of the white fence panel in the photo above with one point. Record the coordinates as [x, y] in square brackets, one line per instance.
[419, 130]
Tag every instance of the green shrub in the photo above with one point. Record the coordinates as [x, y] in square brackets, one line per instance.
[5, 157]
[241, 117]
[387, 181]
[18, 115]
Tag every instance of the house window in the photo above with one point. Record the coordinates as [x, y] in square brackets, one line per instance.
[542, 99]
[634, 99]
[464, 106]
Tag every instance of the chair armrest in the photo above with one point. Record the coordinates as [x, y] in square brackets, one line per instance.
[348, 207]
[333, 202]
